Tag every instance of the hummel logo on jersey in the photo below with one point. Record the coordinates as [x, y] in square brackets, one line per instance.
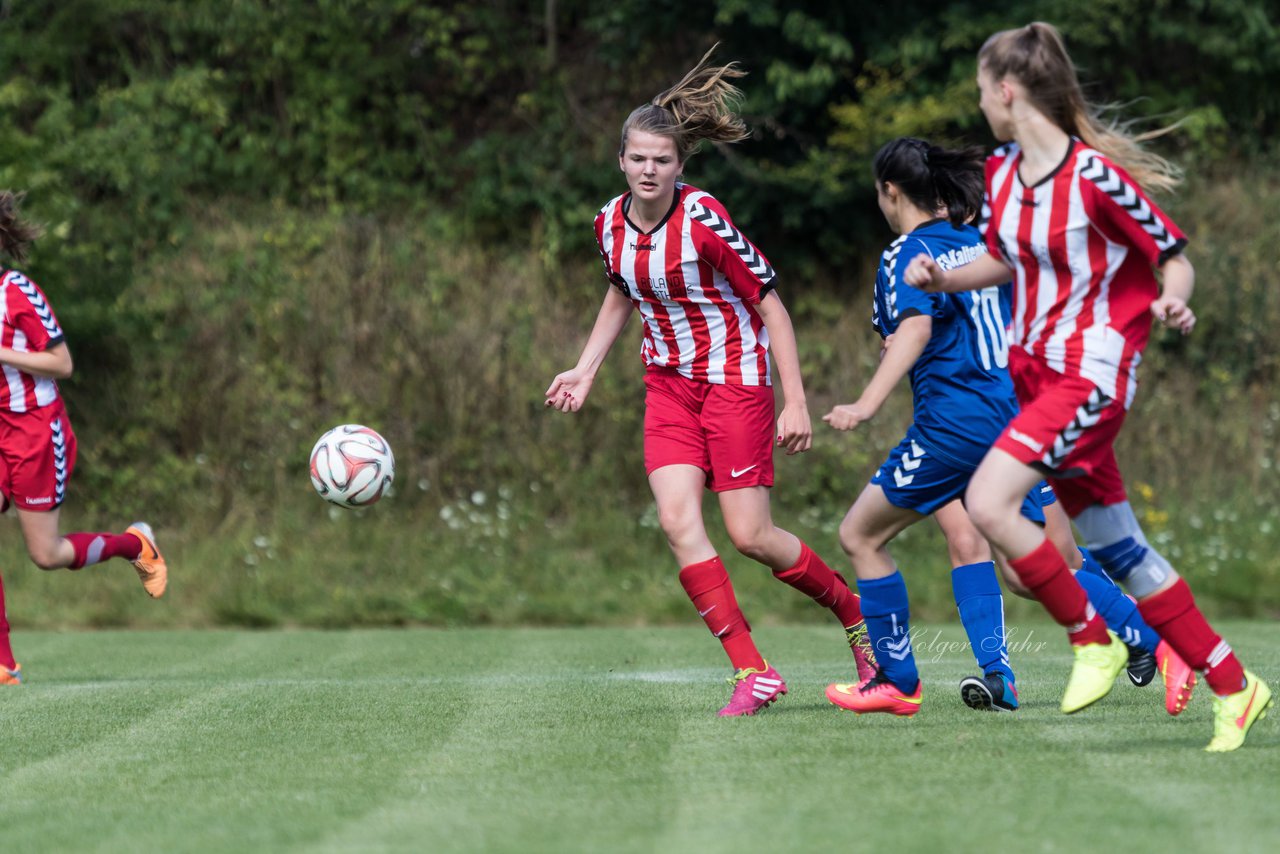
[1023, 438]
[1127, 197]
[37, 301]
[721, 227]
[642, 247]
[736, 473]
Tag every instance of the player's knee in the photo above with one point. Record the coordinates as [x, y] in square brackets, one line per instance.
[988, 514]
[45, 556]
[750, 539]
[678, 524]
[966, 547]
[854, 541]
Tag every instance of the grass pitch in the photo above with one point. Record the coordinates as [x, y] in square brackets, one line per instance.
[595, 740]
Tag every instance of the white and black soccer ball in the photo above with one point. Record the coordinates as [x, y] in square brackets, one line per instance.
[352, 466]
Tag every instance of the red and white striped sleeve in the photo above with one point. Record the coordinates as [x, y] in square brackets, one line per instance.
[30, 313]
[1117, 206]
[719, 242]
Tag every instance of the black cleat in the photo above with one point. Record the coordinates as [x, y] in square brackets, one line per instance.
[1141, 667]
[991, 693]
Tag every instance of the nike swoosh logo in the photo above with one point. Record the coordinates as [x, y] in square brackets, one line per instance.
[736, 473]
[915, 701]
[1240, 720]
[708, 611]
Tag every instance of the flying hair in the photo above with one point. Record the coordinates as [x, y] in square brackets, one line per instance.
[1036, 57]
[700, 107]
[933, 178]
[16, 234]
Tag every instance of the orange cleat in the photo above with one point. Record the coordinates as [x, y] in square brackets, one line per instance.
[149, 563]
[11, 677]
[1178, 678]
[877, 694]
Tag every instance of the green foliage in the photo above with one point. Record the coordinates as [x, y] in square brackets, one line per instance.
[265, 218]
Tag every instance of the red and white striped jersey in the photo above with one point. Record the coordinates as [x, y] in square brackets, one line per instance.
[1082, 243]
[696, 281]
[28, 326]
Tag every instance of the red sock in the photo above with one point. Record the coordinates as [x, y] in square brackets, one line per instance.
[708, 586]
[95, 548]
[1045, 573]
[812, 577]
[6, 651]
[1175, 617]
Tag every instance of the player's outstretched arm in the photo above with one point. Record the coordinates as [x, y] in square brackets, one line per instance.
[569, 390]
[795, 431]
[983, 272]
[54, 363]
[1178, 280]
[909, 341]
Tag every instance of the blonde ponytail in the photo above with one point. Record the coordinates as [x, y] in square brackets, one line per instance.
[1036, 57]
[699, 107]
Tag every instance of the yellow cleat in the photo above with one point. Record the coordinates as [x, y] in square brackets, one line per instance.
[1234, 714]
[1094, 673]
[149, 563]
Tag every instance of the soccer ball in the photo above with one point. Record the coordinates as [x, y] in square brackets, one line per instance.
[352, 466]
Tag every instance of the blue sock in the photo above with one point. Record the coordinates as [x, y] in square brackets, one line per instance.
[1118, 610]
[981, 609]
[884, 607]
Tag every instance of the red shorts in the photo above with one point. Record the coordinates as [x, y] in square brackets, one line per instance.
[37, 454]
[725, 430]
[1067, 429]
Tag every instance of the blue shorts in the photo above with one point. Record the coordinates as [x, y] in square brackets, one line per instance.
[914, 479]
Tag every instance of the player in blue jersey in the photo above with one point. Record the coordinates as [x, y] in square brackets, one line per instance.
[956, 354]
[955, 351]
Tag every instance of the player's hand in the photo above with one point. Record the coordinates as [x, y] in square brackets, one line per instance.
[1174, 313]
[924, 273]
[569, 390]
[848, 416]
[795, 432]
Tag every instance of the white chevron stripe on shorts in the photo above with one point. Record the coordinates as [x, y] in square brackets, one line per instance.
[59, 441]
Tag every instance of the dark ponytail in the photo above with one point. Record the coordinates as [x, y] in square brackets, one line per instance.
[15, 232]
[932, 177]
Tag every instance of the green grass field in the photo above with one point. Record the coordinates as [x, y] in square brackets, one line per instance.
[594, 740]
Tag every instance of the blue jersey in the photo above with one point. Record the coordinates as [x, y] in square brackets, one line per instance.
[962, 393]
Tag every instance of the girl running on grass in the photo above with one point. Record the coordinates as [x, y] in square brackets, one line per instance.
[955, 351]
[37, 445]
[1070, 221]
[707, 298]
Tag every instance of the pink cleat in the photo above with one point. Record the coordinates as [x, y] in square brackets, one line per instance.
[875, 695]
[753, 690]
[1178, 678]
[863, 656]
